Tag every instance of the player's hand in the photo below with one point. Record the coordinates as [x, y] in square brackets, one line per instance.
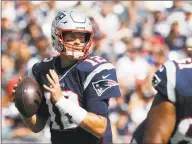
[54, 88]
[14, 88]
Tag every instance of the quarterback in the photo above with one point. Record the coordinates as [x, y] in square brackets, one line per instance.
[77, 87]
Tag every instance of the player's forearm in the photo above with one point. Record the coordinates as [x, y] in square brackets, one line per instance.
[89, 121]
[35, 123]
[94, 124]
[160, 121]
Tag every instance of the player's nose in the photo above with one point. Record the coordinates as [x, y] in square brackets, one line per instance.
[77, 41]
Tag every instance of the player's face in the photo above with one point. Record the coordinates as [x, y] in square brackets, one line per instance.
[74, 38]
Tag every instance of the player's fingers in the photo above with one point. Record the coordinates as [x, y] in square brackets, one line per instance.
[47, 88]
[50, 80]
[52, 75]
[55, 75]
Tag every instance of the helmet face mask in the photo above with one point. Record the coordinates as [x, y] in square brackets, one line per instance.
[71, 21]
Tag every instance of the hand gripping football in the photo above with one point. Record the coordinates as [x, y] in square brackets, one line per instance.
[28, 96]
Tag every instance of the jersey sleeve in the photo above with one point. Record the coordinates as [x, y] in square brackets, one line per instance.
[99, 107]
[40, 69]
[164, 81]
[102, 83]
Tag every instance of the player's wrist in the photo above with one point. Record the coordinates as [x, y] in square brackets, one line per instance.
[76, 113]
[56, 99]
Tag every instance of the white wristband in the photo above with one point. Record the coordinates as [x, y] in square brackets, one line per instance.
[76, 112]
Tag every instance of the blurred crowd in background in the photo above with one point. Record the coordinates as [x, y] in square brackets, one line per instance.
[136, 36]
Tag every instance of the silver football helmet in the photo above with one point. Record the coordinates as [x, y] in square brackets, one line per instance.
[74, 21]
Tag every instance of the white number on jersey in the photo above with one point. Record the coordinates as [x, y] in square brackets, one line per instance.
[95, 60]
[186, 63]
[64, 118]
[47, 59]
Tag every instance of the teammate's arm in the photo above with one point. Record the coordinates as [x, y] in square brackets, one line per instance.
[160, 122]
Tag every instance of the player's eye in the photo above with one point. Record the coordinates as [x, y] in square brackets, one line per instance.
[69, 40]
[82, 40]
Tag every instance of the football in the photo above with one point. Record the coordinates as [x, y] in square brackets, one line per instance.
[28, 96]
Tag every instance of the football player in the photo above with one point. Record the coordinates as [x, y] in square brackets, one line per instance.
[170, 117]
[77, 87]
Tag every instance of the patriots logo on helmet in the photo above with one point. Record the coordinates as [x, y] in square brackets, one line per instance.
[60, 16]
[102, 85]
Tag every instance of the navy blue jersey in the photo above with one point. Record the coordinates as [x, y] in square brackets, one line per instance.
[90, 83]
[174, 82]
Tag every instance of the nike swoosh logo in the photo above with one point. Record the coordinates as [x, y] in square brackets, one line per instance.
[104, 77]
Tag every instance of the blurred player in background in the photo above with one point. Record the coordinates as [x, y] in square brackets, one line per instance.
[77, 87]
[169, 120]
